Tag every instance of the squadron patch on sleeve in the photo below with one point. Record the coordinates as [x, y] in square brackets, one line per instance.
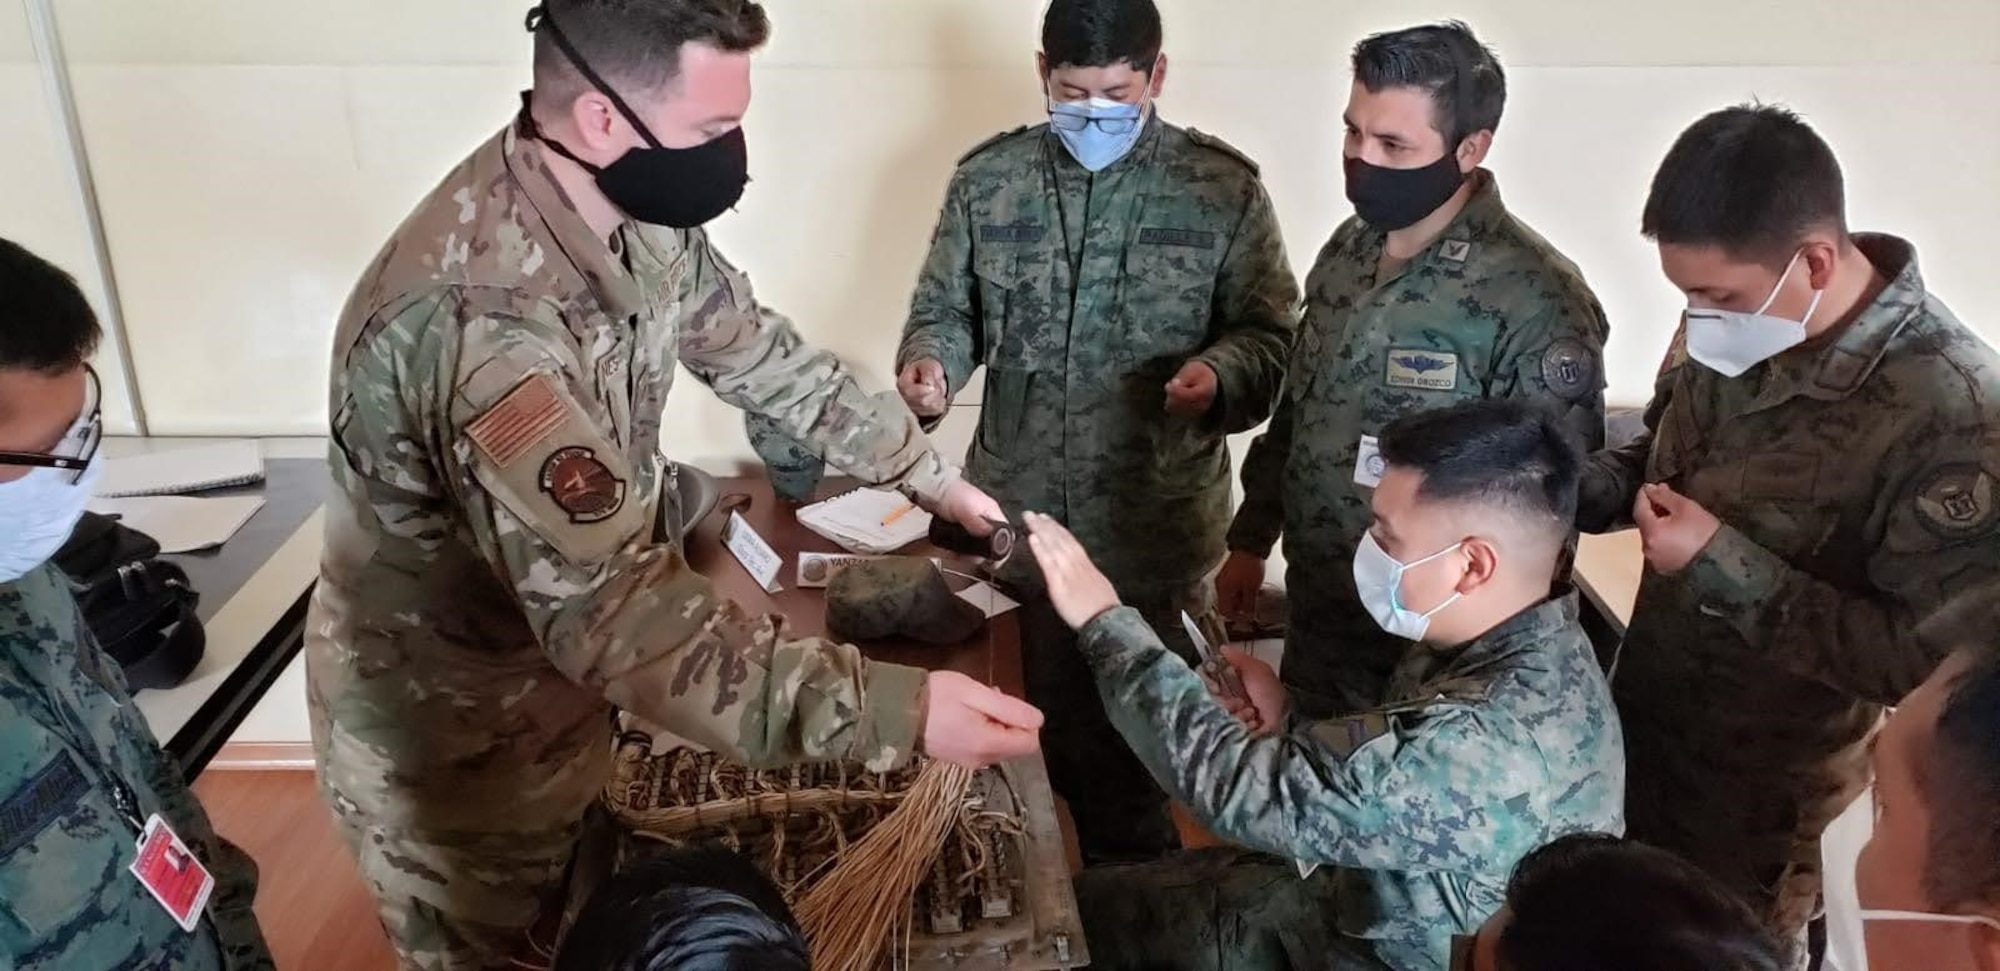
[1569, 369]
[545, 461]
[1956, 501]
[581, 485]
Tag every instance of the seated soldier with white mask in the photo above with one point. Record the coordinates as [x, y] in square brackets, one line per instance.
[1928, 880]
[1495, 736]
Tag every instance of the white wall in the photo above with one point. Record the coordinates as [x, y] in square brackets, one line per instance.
[252, 155]
[39, 205]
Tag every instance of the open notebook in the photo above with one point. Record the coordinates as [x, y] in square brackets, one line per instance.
[867, 521]
[183, 470]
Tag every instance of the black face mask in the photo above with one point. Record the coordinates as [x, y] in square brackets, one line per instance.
[1391, 199]
[678, 187]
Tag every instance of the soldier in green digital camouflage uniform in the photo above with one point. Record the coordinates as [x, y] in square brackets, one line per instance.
[1123, 284]
[80, 772]
[1433, 293]
[1817, 476]
[1495, 734]
[498, 572]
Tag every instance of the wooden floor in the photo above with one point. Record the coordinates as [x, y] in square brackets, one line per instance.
[315, 910]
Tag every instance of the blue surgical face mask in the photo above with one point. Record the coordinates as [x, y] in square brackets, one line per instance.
[1378, 578]
[1099, 131]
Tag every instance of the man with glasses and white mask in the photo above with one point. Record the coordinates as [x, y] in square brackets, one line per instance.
[1818, 474]
[84, 787]
[1123, 284]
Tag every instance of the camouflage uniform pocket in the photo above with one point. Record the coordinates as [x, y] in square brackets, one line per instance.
[1021, 330]
[1004, 413]
[62, 844]
[1166, 300]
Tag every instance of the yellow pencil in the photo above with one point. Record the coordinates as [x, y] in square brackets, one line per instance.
[891, 518]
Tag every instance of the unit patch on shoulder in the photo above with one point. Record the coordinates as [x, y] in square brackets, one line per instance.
[519, 421]
[1956, 501]
[1424, 370]
[581, 485]
[1569, 369]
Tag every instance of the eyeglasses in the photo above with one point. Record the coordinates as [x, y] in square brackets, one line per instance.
[78, 447]
[1071, 121]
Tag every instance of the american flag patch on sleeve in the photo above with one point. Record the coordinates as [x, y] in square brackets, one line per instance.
[518, 421]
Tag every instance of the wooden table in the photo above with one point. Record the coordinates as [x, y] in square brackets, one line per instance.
[1608, 570]
[992, 654]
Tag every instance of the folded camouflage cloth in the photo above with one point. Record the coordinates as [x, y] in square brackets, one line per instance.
[897, 596]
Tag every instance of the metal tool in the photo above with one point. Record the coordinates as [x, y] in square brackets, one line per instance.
[1213, 662]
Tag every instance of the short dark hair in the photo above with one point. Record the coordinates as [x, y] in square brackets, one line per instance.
[635, 45]
[1591, 901]
[46, 324]
[1100, 33]
[1961, 781]
[1752, 179]
[1468, 88]
[698, 908]
[1502, 453]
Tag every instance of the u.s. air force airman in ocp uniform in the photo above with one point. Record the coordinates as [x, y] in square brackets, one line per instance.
[496, 577]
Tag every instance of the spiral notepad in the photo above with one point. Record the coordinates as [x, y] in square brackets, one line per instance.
[183, 470]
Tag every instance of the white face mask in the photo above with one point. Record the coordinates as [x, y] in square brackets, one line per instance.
[1847, 944]
[1731, 342]
[39, 510]
[1921, 918]
[1378, 577]
[37, 513]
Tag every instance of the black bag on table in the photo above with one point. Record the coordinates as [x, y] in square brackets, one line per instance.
[140, 607]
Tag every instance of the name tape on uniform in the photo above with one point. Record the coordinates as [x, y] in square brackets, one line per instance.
[758, 558]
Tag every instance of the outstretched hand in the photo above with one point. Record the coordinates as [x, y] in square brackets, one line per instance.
[1077, 588]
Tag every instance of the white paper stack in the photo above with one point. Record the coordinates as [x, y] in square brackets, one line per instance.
[869, 521]
[147, 493]
[182, 524]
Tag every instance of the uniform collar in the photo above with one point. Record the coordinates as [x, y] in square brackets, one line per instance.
[601, 269]
[1468, 231]
[1831, 369]
[1527, 627]
[1464, 671]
